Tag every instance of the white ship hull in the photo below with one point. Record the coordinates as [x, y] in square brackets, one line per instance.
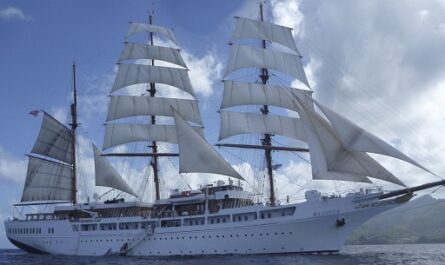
[312, 227]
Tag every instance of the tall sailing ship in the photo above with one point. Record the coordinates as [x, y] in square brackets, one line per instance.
[220, 218]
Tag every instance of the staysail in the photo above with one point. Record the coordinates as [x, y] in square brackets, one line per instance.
[328, 155]
[107, 176]
[196, 155]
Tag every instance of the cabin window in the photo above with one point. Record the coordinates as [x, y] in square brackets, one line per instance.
[171, 223]
[87, 227]
[217, 219]
[128, 226]
[245, 216]
[278, 212]
[109, 226]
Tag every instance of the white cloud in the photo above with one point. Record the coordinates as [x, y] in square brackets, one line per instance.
[11, 168]
[204, 72]
[287, 13]
[10, 13]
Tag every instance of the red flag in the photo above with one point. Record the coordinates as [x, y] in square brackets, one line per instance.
[34, 113]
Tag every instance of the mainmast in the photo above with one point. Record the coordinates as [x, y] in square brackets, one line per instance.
[154, 146]
[74, 125]
[266, 141]
[238, 93]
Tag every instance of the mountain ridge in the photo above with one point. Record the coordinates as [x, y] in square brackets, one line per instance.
[419, 221]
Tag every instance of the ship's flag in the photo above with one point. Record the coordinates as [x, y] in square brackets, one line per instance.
[34, 112]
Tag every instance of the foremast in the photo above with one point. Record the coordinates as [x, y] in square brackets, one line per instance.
[154, 146]
[154, 77]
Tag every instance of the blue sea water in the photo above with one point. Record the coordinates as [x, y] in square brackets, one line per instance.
[421, 254]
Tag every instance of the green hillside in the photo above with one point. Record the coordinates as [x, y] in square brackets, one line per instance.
[420, 221]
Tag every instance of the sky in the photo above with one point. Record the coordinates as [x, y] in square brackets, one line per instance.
[379, 63]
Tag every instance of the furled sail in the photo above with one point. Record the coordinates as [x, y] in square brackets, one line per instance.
[143, 27]
[133, 51]
[55, 140]
[242, 93]
[107, 176]
[356, 139]
[255, 29]
[234, 123]
[131, 74]
[47, 180]
[118, 133]
[329, 155]
[130, 106]
[196, 155]
[242, 56]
